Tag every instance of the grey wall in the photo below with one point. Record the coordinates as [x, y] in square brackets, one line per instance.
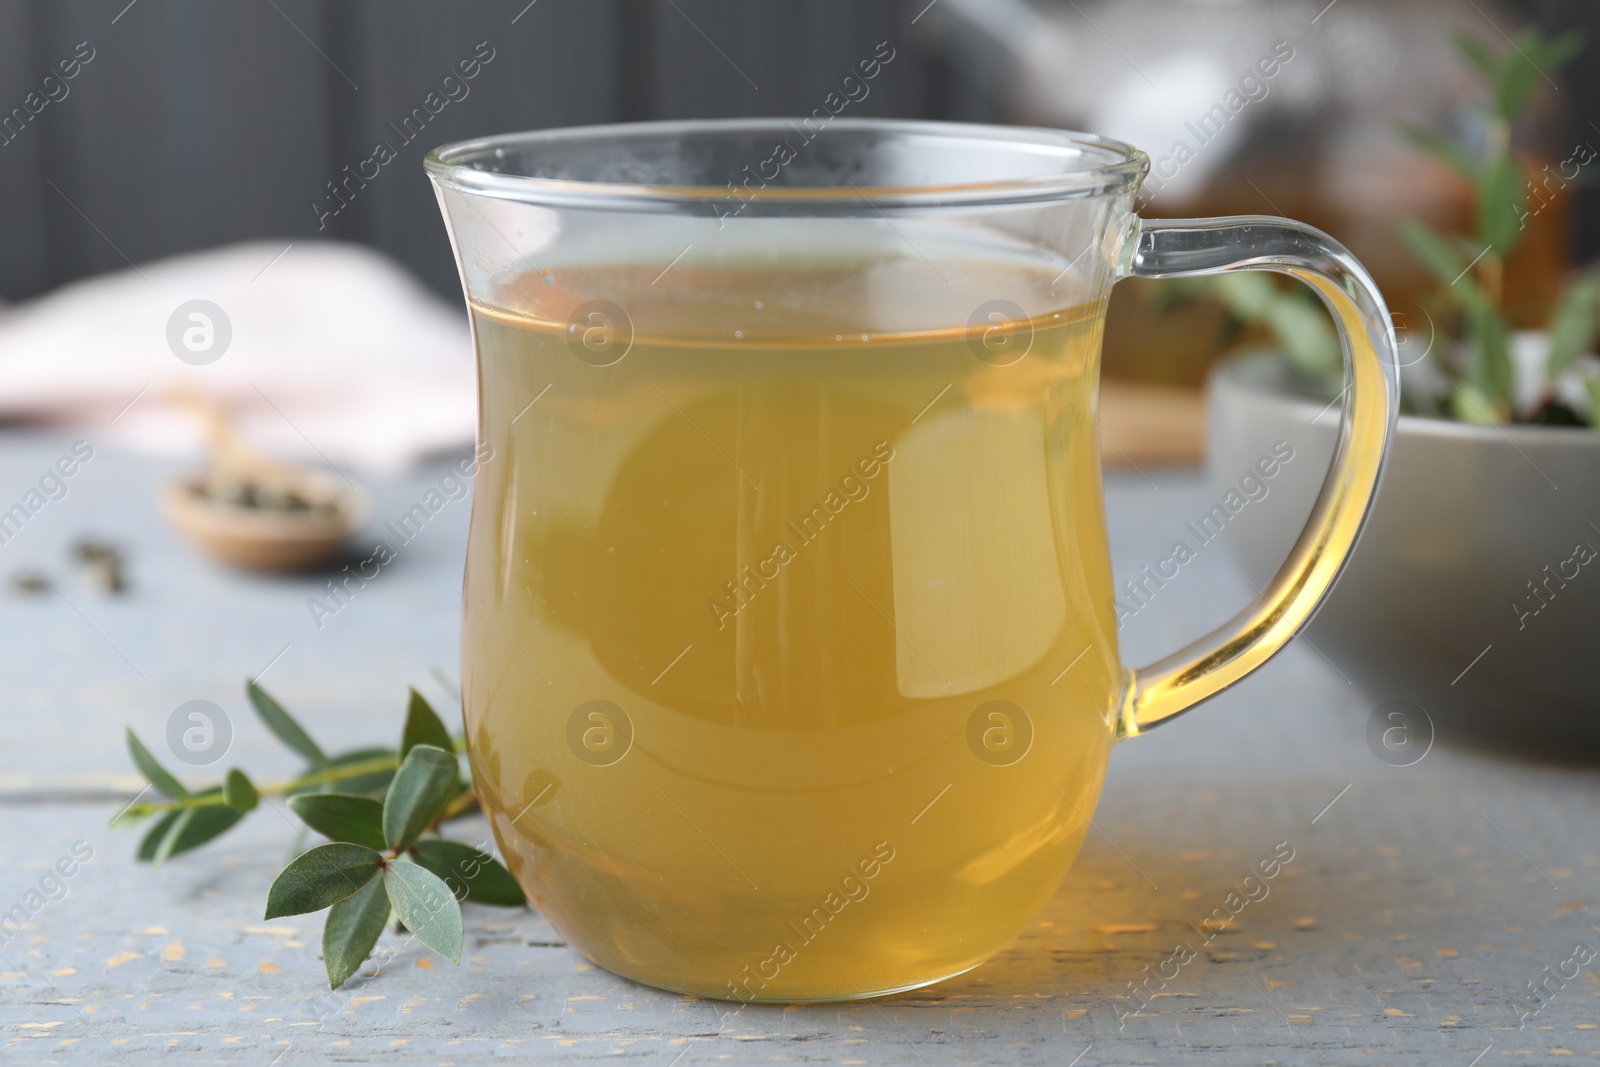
[201, 122]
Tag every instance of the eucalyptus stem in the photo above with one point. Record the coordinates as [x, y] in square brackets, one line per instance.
[326, 776]
[323, 777]
[460, 804]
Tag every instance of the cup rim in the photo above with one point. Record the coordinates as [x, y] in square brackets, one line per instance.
[1118, 166]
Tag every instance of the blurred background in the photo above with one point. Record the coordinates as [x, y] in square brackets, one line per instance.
[196, 124]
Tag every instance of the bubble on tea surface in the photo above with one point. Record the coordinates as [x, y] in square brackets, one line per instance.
[599, 332]
[199, 733]
[999, 733]
[599, 732]
[199, 332]
[1400, 732]
[999, 333]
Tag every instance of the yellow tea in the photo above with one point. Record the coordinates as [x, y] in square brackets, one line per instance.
[789, 650]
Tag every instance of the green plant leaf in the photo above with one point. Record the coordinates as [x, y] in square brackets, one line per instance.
[1517, 77]
[353, 927]
[1562, 50]
[1572, 327]
[1474, 51]
[426, 906]
[1501, 203]
[1490, 370]
[1302, 326]
[1246, 294]
[1531, 60]
[1442, 147]
[420, 790]
[283, 725]
[1592, 386]
[342, 817]
[239, 792]
[423, 727]
[158, 775]
[1468, 403]
[169, 840]
[321, 877]
[470, 874]
[1435, 252]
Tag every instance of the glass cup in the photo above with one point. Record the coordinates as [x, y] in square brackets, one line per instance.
[790, 660]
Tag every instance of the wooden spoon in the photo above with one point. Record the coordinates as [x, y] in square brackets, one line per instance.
[259, 512]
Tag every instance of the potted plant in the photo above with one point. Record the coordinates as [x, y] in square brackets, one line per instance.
[1474, 596]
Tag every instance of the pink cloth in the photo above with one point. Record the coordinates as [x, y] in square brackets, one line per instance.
[337, 355]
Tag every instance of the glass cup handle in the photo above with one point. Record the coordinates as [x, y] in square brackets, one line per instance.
[1186, 248]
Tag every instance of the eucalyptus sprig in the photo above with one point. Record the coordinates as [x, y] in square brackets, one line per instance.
[385, 862]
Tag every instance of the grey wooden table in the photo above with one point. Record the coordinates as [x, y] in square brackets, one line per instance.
[1419, 908]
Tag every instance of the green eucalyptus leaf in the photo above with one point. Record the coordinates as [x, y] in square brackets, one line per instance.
[1501, 203]
[239, 792]
[158, 775]
[203, 825]
[372, 782]
[169, 840]
[1475, 52]
[1442, 147]
[178, 832]
[207, 824]
[419, 792]
[470, 874]
[153, 836]
[423, 727]
[357, 820]
[1572, 327]
[426, 906]
[352, 929]
[283, 725]
[321, 877]
[1592, 386]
